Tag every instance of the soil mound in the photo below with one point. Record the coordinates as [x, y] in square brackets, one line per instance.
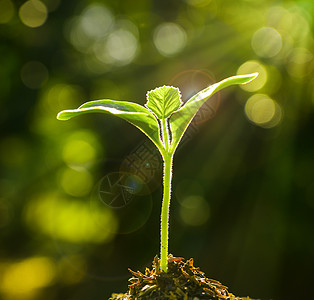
[182, 281]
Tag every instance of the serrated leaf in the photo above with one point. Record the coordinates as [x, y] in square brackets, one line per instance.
[180, 120]
[163, 101]
[134, 113]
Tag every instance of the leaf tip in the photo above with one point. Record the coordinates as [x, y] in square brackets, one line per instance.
[62, 115]
[250, 77]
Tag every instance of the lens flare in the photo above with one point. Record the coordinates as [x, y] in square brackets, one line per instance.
[191, 82]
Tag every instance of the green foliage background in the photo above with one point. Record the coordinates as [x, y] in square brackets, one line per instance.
[243, 188]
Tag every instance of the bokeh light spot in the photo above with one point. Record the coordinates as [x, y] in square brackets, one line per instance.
[263, 111]
[266, 42]
[33, 13]
[121, 46]
[88, 29]
[300, 56]
[188, 187]
[60, 96]
[169, 38]
[96, 20]
[69, 220]
[194, 211]
[76, 183]
[6, 11]
[252, 66]
[34, 74]
[81, 149]
[23, 279]
[78, 152]
[77, 36]
[299, 62]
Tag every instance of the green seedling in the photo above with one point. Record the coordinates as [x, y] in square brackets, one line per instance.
[164, 120]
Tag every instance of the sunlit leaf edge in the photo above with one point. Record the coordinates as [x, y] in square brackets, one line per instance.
[140, 117]
[180, 119]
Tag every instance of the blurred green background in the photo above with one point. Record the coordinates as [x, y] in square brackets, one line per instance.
[80, 200]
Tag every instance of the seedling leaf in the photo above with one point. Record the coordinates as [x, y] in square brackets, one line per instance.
[180, 120]
[163, 101]
[134, 113]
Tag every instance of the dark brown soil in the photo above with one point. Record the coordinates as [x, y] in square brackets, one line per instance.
[182, 281]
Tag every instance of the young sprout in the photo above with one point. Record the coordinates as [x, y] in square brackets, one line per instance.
[164, 119]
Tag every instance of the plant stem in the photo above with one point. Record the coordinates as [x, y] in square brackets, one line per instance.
[165, 212]
[167, 172]
[165, 134]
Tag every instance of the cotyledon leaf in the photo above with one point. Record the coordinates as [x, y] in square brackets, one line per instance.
[180, 119]
[134, 113]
